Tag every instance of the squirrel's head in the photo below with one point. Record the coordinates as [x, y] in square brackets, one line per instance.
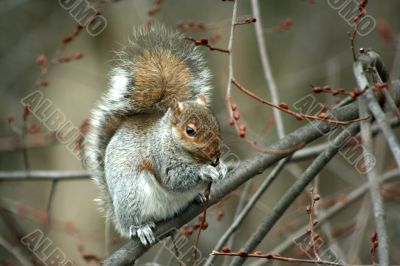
[196, 129]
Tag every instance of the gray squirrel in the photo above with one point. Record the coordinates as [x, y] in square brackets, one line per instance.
[153, 144]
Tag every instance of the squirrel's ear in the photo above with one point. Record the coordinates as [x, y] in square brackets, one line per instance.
[176, 110]
[202, 100]
[177, 106]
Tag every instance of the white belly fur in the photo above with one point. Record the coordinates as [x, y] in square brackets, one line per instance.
[158, 203]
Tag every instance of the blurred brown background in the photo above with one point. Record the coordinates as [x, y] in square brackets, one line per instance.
[314, 50]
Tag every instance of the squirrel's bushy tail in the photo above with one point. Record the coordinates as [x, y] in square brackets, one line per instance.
[156, 67]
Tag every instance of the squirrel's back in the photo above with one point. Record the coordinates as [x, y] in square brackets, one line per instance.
[157, 67]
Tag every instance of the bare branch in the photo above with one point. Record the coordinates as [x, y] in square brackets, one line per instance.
[43, 175]
[269, 78]
[335, 209]
[313, 151]
[376, 197]
[230, 45]
[242, 215]
[16, 252]
[31, 141]
[370, 62]
[276, 257]
[295, 190]
[284, 108]
[243, 200]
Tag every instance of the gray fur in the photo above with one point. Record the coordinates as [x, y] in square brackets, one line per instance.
[138, 198]
[113, 148]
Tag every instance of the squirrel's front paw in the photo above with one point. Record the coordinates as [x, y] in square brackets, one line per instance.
[144, 233]
[223, 169]
[211, 173]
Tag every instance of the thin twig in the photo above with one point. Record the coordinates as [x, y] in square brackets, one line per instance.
[313, 234]
[361, 13]
[275, 257]
[298, 116]
[50, 201]
[230, 45]
[245, 21]
[202, 222]
[269, 78]
[204, 42]
[30, 141]
[43, 175]
[25, 149]
[326, 228]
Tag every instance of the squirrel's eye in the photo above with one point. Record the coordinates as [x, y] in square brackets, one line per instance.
[190, 131]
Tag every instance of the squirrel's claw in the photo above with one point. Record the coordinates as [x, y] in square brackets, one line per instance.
[222, 169]
[211, 173]
[144, 233]
[201, 198]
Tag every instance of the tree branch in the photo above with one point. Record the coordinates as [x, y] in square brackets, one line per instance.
[295, 190]
[313, 151]
[350, 198]
[376, 197]
[230, 45]
[269, 78]
[247, 208]
[370, 64]
[43, 175]
[15, 251]
[367, 64]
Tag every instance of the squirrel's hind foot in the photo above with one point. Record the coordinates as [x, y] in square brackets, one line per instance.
[144, 233]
